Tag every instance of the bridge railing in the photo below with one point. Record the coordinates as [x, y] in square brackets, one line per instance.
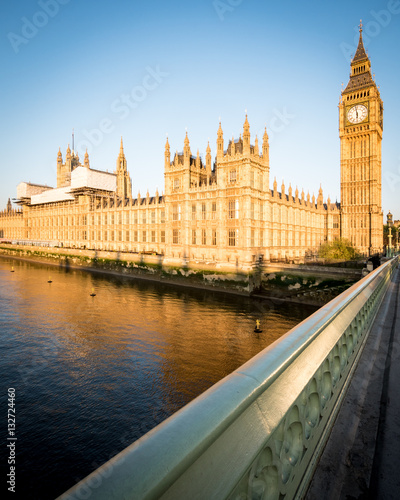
[256, 434]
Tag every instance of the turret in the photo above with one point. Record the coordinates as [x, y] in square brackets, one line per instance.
[198, 160]
[232, 151]
[167, 155]
[265, 148]
[256, 149]
[86, 160]
[186, 151]
[246, 137]
[124, 184]
[59, 168]
[220, 143]
[320, 199]
[208, 160]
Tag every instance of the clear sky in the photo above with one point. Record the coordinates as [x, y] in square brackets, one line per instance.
[144, 69]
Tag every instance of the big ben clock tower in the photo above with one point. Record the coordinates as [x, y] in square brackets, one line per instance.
[360, 131]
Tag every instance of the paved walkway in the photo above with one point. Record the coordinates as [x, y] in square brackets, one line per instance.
[362, 457]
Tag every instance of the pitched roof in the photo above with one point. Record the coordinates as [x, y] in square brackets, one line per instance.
[360, 54]
[358, 82]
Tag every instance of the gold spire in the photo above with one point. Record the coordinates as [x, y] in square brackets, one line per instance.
[360, 54]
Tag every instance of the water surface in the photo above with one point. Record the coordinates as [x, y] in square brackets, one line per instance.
[93, 374]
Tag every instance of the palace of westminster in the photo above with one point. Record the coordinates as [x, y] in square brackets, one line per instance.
[222, 211]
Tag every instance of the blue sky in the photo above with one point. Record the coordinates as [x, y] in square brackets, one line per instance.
[144, 69]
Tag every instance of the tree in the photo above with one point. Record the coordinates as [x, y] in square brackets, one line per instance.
[340, 249]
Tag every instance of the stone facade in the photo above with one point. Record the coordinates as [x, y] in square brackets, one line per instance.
[360, 130]
[222, 212]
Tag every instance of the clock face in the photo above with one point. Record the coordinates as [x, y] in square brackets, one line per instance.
[357, 113]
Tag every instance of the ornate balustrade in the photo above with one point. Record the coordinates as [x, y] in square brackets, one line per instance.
[256, 434]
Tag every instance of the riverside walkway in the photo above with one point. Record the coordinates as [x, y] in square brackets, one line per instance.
[362, 456]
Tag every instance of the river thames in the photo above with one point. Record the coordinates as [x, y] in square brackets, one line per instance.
[93, 374]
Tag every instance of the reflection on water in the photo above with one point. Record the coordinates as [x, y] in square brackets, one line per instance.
[93, 374]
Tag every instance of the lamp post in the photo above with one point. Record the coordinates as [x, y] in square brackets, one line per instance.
[390, 242]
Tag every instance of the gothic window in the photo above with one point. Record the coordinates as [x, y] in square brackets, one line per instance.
[162, 216]
[175, 236]
[194, 211]
[193, 236]
[203, 237]
[203, 211]
[232, 176]
[176, 184]
[144, 236]
[176, 212]
[231, 209]
[214, 237]
[153, 217]
[153, 236]
[233, 237]
[162, 236]
[214, 210]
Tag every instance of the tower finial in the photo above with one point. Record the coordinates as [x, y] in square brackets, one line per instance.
[361, 25]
